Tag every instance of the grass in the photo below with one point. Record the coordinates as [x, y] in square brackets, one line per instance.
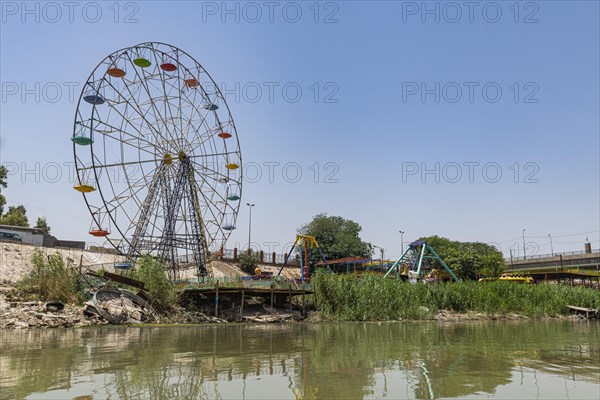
[50, 279]
[372, 298]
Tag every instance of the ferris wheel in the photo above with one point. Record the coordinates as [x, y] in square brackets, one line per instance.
[157, 156]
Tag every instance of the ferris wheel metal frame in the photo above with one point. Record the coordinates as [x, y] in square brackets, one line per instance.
[157, 156]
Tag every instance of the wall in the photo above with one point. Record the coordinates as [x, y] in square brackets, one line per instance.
[37, 240]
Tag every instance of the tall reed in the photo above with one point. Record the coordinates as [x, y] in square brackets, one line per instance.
[372, 298]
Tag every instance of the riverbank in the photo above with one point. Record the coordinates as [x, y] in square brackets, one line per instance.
[37, 314]
[341, 298]
[33, 314]
[337, 297]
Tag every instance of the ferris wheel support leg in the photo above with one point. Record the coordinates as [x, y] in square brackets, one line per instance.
[142, 225]
[200, 250]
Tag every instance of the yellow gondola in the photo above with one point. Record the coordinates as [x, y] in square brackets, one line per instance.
[84, 188]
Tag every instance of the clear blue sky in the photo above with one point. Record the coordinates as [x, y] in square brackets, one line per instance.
[369, 117]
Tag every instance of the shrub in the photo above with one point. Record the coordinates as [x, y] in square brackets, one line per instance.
[51, 279]
[248, 262]
[153, 273]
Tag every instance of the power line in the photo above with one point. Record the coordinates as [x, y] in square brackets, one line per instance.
[544, 237]
[574, 234]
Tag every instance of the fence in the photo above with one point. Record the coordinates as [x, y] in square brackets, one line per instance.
[263, 258]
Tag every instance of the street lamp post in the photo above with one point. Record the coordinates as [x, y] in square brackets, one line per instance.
[381, 250]
[551, 247]
[401, 242]
[249, 225]
[524, 251]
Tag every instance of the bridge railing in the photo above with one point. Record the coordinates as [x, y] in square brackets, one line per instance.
[537, 256]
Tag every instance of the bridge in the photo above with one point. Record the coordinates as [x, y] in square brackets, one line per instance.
[578, 265]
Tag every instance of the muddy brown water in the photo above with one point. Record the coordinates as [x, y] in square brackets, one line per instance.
[493, 359]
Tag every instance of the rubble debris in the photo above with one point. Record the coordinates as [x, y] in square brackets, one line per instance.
[268, 315]
[273, 318]
[55, 305]
[120, 306]
[33, 314]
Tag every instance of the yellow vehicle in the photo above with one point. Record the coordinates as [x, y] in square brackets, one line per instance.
[510, 278]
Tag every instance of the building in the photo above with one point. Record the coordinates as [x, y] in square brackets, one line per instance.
[37, 237]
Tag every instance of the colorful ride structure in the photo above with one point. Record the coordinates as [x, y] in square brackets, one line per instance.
[157, 157]
[357, 264]
[418, 264]
[304, 245]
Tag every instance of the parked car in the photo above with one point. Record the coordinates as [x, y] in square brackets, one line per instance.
[10, 236]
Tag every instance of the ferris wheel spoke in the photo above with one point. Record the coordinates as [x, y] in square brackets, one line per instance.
[179, 80]
[119, 164]
[204, 95]
[214, 171]
[136, 109]
[139, 137]
[133, 146]
[203, 118]
[135, 220]
[144, 84]
[168, 135]
[120, 199]
[167, 103]
[211, 155]
[209, 138]
[207, 201]
[132, 189]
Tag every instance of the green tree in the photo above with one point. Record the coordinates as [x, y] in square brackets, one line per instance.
[42, 224]
[16, 216]
[492, 264]
[467, 260]
[465, 264]
[443, 247]
[3, 174]
[337, 237]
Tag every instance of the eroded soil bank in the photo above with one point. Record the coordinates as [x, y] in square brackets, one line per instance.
[33, 314]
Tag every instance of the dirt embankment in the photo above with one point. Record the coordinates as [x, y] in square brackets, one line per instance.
[16, 259]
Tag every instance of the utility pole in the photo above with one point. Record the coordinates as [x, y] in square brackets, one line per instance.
[401, 242]
[551, 247]
[524, 251]
[249, 226]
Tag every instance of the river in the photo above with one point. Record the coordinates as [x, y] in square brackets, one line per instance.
[542, 359]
